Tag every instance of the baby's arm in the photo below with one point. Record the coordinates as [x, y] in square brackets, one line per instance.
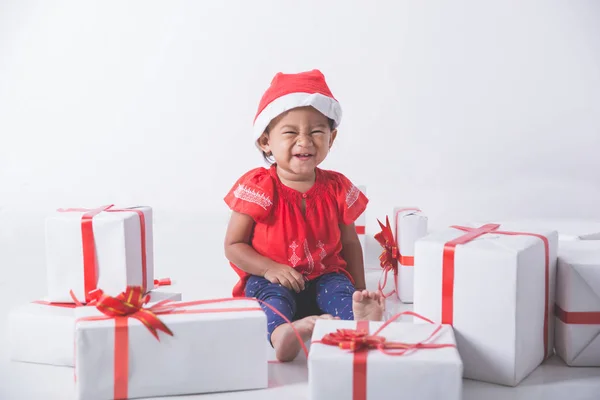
[353, 255]
[240, 253]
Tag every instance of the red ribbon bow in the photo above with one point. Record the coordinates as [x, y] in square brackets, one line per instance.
[353, 340]
[131, 304]
[389, 257]
[359, 339]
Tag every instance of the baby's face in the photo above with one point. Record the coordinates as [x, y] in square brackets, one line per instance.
[300, 140]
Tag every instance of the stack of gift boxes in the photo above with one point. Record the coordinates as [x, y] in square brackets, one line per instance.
[126, 337]
[491, 303]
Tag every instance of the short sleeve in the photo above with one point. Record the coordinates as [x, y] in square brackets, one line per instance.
[351, 201]
[252, 195]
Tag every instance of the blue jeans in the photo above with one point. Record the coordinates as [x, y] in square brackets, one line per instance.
[328, 294]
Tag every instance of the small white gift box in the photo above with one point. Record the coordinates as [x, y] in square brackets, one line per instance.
[106, 247]
[372, 374]
[577, 308]
[410, 224]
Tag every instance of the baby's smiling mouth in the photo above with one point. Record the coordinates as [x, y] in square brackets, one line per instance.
[303, 155]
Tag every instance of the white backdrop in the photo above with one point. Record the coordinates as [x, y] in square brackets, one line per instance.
[472, 110]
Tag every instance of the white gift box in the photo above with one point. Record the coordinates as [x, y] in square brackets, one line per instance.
[577, 311]
[498, 297]
[361, 227]
[42, 332]
[425, 374]
[222, 349]
[409, 224]
[117, 241]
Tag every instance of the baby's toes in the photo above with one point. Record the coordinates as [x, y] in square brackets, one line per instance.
[357, 296]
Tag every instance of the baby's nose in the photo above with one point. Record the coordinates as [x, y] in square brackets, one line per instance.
[304, 140]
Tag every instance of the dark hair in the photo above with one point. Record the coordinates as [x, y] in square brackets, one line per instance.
[269, 157]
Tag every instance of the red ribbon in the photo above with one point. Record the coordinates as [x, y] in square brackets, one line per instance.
[448, 271]
[49, 303]
[360, 342]
[390, 256]
[90, 268]
[162, 282]
[388, 259]
[130, 305]
[360, 229]
[577, 317]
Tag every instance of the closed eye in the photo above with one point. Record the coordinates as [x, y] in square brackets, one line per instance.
[289, 133]
[315, 132]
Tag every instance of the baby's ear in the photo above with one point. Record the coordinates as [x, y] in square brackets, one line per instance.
[333, 136]
[263, 142]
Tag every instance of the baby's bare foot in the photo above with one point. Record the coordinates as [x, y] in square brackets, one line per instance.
[367, 306]
[284, 339]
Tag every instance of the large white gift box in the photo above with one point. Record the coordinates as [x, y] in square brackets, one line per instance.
[108, 248]
[495, 285]
[577, 308]
[424, 374]
[410, 224]
[215, 347]
[43, 332]
[360, 225]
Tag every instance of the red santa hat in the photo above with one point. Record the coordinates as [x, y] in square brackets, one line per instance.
[288, 91]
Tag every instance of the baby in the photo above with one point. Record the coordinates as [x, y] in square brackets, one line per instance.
[291, 237]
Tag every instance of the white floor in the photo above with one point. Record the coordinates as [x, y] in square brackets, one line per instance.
[552, 380]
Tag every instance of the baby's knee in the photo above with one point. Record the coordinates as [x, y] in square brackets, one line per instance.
[337, 282]
[261, 288]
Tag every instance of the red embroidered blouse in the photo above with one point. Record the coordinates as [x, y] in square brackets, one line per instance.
[310, 242]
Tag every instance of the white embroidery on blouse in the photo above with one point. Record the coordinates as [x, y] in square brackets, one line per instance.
[311, 261]
[294, 259]
[352, 196]
[243, 192]
[322, 254]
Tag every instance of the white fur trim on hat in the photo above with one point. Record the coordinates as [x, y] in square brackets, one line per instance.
[327, 106]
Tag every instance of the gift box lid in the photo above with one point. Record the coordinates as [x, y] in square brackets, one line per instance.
[569, 229]
[233, 309]
[493, 241]
[75, 214]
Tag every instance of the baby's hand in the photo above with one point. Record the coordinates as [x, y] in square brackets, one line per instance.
[286, 276]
